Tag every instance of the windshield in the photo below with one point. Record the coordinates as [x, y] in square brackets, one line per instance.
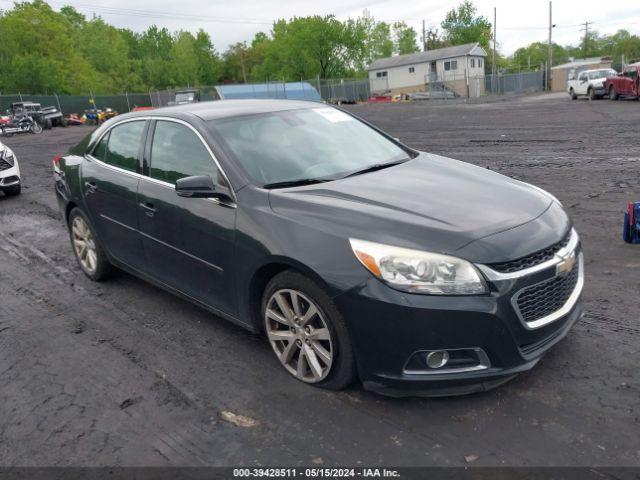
[602, 74]
[315, 143]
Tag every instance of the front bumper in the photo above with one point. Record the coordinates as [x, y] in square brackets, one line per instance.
[389, 327]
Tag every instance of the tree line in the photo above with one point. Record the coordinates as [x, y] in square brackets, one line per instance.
[45, 51]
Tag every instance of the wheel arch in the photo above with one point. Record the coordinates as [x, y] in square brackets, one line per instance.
[263, 275]
[67, 211]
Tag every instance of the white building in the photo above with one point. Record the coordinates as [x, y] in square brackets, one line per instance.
[459, 69]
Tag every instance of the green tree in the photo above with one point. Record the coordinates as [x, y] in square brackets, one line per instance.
[531, 56]
[462, 25]
[404, 39]
[622, 43]
[208, 61]
[39, 52]
[304, 47]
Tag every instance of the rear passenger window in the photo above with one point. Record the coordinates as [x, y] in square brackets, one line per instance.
[123, 145]
[177, 152]
[101, 149]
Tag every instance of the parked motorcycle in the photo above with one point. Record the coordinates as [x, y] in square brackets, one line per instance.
[20, 124]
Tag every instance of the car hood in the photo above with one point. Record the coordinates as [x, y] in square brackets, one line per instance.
[430, 202]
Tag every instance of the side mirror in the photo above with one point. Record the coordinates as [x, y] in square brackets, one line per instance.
[201, 186]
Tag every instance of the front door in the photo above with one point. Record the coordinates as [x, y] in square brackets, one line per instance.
[188, 242]
[110, 185]
[583, 84]
[433, 72]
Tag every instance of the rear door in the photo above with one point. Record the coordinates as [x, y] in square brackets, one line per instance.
[188, 242]
[110, 177]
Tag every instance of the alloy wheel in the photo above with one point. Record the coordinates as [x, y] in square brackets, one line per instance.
[84, 244]
[299, 335]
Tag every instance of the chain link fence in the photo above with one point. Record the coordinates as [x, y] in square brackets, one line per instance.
[79, 103]
[341, 90]
[500, 84]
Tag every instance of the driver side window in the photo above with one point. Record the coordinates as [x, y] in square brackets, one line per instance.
[177, 152]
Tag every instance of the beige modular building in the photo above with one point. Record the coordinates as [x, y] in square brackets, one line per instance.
[459, 69]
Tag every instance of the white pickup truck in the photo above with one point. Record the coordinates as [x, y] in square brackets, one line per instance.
[589, 83]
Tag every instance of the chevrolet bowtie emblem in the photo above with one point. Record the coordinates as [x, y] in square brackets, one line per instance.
[567, 264]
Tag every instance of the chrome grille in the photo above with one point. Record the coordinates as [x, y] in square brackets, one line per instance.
[543, 299]
[531, 260]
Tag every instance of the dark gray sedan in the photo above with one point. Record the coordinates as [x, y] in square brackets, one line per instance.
[355, 255]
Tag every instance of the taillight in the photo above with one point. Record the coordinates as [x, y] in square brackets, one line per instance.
[56, 163]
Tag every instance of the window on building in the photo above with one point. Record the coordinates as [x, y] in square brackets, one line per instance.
[479, 63]
[381, 74]
[412, 70]
[451, 65]
[473, 63]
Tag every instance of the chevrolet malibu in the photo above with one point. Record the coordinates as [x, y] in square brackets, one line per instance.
[355, 255]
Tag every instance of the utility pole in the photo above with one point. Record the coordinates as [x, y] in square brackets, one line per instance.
[493, 63]
[424, 35]
[586, 37]
[549, 52]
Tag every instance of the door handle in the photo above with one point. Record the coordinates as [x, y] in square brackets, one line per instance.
[149, 209]
[91, 187]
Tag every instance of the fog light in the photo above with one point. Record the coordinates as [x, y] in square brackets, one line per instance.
[437, 359]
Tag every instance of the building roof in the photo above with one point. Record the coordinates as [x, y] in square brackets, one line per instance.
[428, 56]
[290, 90]
[583, 62]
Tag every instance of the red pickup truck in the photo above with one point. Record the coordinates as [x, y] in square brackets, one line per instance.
[625, 84]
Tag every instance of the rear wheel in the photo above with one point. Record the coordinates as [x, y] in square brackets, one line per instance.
[90, 255]
[306, 332]
[613, 95]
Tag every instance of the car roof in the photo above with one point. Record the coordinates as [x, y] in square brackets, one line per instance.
[596, 70]
[218, 109]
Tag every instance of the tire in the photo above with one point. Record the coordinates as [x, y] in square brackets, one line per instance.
[13, 191]
[36, 128]
[591, 94]
[64, 123]
[323, 335]
[97, 268]
[573, 94]
[47, 124]
[613, 95]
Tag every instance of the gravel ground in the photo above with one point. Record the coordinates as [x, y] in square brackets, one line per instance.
[122, 373]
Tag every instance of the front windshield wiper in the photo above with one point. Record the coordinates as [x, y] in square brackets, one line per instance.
[377, 166]
[294, 183]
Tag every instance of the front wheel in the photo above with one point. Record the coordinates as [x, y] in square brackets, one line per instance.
[613, 95]
[91, 258]
[591, 94]
[573, 95]
[307, 333]
[36, 128]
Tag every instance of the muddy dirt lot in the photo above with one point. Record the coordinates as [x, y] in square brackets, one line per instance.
[122, 373]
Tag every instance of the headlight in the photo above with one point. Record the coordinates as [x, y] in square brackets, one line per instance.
[7, 154]
[415, 271]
